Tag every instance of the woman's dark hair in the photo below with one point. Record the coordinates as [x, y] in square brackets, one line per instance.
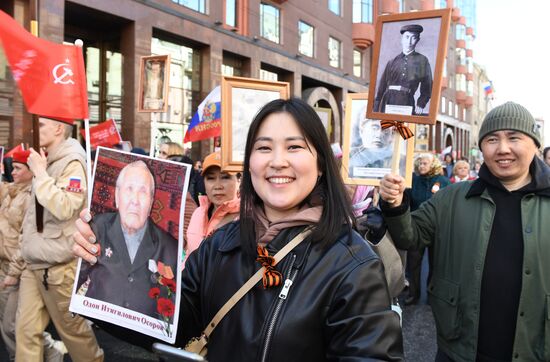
[545, 152]
[329, 191]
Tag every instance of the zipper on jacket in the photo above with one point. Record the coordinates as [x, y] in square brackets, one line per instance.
[291, 274]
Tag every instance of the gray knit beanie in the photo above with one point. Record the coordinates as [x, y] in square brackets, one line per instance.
[510, 116]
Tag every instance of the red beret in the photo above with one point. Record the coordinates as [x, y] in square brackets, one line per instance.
[21, 156]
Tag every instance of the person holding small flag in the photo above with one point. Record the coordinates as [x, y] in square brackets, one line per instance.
[59, 193]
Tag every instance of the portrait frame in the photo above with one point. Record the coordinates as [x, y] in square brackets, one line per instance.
[157, 263]
[432, 47]
[355, 108]
[242, 98]
[156, 104]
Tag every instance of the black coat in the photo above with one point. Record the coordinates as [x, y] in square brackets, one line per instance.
[337, 308]
[114, 278]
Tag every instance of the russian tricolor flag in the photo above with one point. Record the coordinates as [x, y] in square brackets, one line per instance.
[206, 123]
[488, 89]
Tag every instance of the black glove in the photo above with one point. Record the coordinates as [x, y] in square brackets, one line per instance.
[372, 224]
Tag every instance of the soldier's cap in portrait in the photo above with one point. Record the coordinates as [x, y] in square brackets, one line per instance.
[413, 28]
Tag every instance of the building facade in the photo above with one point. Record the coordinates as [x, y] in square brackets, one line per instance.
[321, 47]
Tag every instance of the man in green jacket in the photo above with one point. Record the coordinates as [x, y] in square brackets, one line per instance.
[490, 288]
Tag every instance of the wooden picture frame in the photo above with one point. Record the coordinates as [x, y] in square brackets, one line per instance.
[153, 83]
[242, 98]
[367, 165]
[400, 87]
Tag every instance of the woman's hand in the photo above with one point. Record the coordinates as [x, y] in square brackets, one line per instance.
[84, 238]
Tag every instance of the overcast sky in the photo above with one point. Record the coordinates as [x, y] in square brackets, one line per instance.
[513, 44]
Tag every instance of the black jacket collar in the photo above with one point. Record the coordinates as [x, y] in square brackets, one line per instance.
[540, 184]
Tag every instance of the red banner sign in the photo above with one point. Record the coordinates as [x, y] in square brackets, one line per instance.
[104, 134]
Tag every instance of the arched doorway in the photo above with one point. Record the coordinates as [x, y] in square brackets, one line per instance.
[322, 98]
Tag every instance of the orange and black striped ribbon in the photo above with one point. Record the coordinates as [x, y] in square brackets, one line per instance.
[403, 130]
[271, 277]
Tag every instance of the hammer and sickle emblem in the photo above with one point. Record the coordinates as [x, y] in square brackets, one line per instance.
[64, 76]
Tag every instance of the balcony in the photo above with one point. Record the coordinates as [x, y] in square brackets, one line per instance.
[426, 5]
[470, 31]
[462, 20]
[469, 53]
[460, 97]
[469, 101]
[469, 76]
[461, 69]
[389, 7]
[455, 14]
[362, 35]
[444, 82]
[461, 43]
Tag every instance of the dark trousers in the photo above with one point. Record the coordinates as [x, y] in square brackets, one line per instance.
[414, 267]
[442, 357]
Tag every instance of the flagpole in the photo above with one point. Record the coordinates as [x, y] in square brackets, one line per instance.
[35, 126]
[79, 43]
[153, 134]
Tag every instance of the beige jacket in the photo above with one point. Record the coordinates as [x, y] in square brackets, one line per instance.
[62, 192]
[14, 201]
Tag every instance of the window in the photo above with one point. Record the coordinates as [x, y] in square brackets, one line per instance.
[440, 4]
[357, 63]
[362, 11]
[231, 12]
[461, 82]
[197, 5]
[401, 6]
[269, 22]
[232, 65]
[450, 108]
[470, 88]
[443, 104]
[334, 6]
[456, 110]
[460, 32]
[306, 39]
[269, 76]
[461, 56]
[334, 52]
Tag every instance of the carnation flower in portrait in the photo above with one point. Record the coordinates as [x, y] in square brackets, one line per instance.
[165, 307]
[154, 292]
[170, 283]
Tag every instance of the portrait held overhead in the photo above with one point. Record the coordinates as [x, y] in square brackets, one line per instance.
[369, 146]
[154, 81]
[137, 248]
[408, 59]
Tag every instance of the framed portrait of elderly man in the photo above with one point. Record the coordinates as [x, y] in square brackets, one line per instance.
[137, 212]
[242, 98]
[408, 60]
[369, 150]
[153, 83]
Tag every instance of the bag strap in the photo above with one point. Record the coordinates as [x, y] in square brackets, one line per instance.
[252, 281]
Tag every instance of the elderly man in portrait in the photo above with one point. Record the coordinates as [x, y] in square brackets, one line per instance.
[403, 76]
[375, 150]
[130, 247]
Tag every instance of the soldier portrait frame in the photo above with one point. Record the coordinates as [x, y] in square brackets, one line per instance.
[355, 112]
[138, 290]
[154, 80]
[242, 98]
[398, 96]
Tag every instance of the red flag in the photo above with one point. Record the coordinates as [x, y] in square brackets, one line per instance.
[51, 76]
[104, 134]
